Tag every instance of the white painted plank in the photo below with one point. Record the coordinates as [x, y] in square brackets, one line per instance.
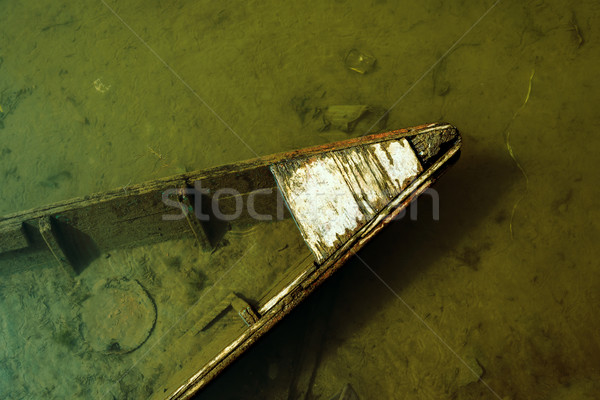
[333, 194]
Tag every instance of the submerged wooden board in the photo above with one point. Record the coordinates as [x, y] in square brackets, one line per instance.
[90, 225]
[333, 194]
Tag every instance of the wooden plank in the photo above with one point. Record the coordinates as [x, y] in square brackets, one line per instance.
[331, 195]
[239, 305]
[249, 171]
[133, 216]
[194, 223]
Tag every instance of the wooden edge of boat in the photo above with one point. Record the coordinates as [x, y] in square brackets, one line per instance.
[174, 180]
[118, 218]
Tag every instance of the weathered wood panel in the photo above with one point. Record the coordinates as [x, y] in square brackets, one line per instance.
[333, 194]
[132, 216]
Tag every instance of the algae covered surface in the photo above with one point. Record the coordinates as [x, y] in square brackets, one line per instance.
[497, 299]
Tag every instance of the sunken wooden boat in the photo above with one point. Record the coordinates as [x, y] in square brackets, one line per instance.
[169, 281]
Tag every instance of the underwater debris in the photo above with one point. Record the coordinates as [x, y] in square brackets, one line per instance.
[360, 62]
[10, 100]
[346, 117]
[512, 155]
[118, 317]
[574, 28]
[159, 157]
[100, 87]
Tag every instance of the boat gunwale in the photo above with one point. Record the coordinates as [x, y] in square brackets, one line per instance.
[177, 180]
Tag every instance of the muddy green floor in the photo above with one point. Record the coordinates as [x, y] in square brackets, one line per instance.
[504, 287]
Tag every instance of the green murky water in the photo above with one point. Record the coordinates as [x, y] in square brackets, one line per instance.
[98, 95]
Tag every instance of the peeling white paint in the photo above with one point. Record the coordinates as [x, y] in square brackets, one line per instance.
[333, 194]
[403, 164]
